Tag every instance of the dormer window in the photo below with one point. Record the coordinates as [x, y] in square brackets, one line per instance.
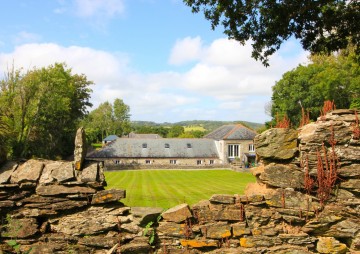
[188, 145]
[144, 145]
[167, 145]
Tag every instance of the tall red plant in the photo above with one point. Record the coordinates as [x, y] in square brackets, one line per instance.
[305, 117]
[327, 170]
[308, 181]
[327, 165]
[282, 123]
[328, 106]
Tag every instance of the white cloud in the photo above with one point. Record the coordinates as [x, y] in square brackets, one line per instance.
[224, 83]
[94, 63]
[226, 72]
[149, 95]
[105, 8]
[105, 69]
[186, 50]
[228, 53]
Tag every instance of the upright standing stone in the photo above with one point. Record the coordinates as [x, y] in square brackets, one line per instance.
[80, 148]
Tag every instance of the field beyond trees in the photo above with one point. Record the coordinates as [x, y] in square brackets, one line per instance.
[168, 188]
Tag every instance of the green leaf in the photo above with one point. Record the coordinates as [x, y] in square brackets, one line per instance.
[12, 243]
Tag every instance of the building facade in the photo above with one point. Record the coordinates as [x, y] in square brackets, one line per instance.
[235, 143]
[227, 145]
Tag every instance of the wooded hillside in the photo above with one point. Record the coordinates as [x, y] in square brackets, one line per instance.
[206, 124]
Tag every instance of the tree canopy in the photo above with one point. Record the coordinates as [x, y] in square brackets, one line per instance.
[335, 78]
[321, 26]
[147, 129]
[108, 119]
[40, 110]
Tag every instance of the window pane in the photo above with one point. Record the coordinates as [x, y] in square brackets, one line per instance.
[230, 152]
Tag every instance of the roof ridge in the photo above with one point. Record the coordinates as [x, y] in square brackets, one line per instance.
[237, 127]
[232, 131]
[248, 128]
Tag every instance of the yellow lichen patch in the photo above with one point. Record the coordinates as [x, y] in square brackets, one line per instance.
[107, 196]
[330, 245]
[269, 202]
[246, 243]
[256, 231]
[226, 234]
[198, 243]
[77, 165]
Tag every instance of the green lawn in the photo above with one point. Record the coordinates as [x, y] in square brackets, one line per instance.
[168, 188]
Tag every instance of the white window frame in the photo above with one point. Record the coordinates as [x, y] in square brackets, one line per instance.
[251, 147]
[233, 150]
[173, 162]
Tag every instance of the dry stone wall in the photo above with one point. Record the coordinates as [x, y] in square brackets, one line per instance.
[51, 207]
[278, 213]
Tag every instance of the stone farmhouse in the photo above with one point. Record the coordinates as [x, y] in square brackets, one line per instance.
[229, 144]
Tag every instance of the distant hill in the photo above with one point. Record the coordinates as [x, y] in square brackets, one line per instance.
[206, 124]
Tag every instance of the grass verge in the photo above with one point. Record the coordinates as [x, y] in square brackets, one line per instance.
[168, 188]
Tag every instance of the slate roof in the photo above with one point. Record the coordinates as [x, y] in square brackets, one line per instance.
[110, 138]
[232, 132]
[155, 148]
[141, 135]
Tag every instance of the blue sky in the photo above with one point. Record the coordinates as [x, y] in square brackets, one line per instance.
[164, 61]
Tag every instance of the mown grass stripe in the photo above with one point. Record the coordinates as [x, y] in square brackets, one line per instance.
[164, 200]
[167, 188]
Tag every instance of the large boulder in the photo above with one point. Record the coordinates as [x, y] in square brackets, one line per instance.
[30, 171]
[90, 173]
[145, 215]
[218, 231]
[108, 196]
[21, 228]
[60, 190]
[6, 170]
[57, 171]
[223, 199]
[178, 213]
[283, 176]
[92, 221]
[330, 245]
[277, 144]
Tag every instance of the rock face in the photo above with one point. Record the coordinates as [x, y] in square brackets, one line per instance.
[50, 207]
[277, 144]
[178, 213]
[80, 148]
[284, 212]
[50, 201]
